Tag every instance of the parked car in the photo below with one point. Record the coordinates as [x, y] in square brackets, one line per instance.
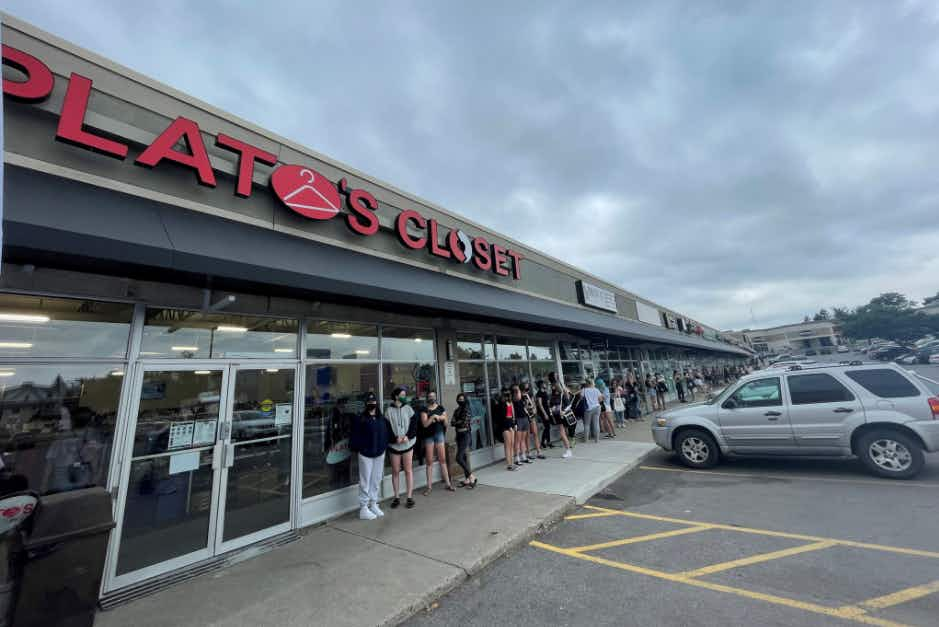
[908, 360]
[843, 349]
[811, 353]
[934, 358]
[890, 352]
[882, 414]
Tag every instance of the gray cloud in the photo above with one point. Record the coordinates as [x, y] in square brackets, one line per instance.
[718, 158]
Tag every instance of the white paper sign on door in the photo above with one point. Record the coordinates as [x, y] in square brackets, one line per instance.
[449, 373]
[283, 414]
[204, 433]
[180, 435]
[184, 462]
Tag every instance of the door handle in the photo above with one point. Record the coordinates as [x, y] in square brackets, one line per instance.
[774, 414]
[229, 455]
[217, 456]
[843, 410]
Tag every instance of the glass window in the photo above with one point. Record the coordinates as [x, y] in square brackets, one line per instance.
[573, 376]
[884, 382]
[418, 379]
[513, 373]
[326, 339]
[473, 386]
[489, 348]
[569, 351]
[184, 334]
[33, 326]
[540, 353]
[469, 348]
[334, 394]
[759, 393]
[817, 388]
[57, 425]
[403, 344]
[540, 370]
[511, 349]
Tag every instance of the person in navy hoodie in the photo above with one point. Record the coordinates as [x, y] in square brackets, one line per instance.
[369, 438]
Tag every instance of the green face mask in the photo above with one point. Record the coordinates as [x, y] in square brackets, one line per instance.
[403, 399]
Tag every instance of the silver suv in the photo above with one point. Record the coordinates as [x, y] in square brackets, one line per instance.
[884, 415]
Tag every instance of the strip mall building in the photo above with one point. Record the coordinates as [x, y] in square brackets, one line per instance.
[191, 308]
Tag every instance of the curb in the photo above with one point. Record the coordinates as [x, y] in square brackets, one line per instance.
[585, 495]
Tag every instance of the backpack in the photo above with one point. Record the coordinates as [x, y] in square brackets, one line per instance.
[579, 406]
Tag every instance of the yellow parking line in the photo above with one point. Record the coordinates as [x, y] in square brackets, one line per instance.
[637, 539]
[757, 559]
[846, 612]
[594, 515]
[903, 596]
[882, 483]
[776, 534]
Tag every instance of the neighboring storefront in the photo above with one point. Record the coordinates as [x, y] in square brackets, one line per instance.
[195, 334]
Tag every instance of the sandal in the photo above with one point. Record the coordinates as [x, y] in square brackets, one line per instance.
[395, 502]
[426, 492]
[463, 483]
[450, 488]
[473, 484]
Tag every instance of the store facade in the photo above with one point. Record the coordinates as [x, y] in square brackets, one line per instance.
[192, 309]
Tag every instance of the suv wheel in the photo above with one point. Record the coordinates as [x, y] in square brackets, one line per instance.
[891, 454]
[697, 449]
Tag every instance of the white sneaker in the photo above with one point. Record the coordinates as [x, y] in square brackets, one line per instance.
[376, 510]
[567, 454]
[366, 514]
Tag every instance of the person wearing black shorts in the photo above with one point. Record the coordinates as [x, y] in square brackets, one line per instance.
[523, 425]
[505, 412]
[542, 404]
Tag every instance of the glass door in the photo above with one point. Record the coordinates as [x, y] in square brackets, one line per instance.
[209, 464]
[171, 473]
[257, 439]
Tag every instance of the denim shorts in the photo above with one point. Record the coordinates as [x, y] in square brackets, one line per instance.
[437, 438]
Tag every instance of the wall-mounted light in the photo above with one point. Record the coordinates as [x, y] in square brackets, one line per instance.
[15, 345]
[340, 336]
[225, 328]
[283, 350]
[182, 349]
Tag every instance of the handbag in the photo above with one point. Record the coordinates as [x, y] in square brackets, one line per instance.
[568, 416]
[618, 404]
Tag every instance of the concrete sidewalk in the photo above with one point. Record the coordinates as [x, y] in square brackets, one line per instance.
[359, 573]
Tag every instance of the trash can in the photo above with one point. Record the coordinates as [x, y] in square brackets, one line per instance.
[63, 560]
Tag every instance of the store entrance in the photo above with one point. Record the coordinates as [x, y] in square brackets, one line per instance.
[208, 464]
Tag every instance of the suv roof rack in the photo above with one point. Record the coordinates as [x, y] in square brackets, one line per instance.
[854, 362]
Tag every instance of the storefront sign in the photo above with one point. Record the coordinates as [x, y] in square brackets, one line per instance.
[301, 188]
[594, 296]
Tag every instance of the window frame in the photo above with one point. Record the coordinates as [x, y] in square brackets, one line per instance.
[852, 397]
[752, 405]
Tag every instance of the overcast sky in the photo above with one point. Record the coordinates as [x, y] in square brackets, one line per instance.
[744, 163]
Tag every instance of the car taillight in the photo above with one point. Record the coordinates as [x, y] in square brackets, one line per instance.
[934, 407]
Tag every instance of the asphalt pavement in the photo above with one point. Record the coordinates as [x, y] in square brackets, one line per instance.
[751, 542]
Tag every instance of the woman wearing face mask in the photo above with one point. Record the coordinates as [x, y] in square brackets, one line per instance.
[402, 424]
[369, 438]
[531, 411]
[523, 426]
[434, 419]
[461, 423]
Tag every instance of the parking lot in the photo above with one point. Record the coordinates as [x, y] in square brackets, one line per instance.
[766, 542]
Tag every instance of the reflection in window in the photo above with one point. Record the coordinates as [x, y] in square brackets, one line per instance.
[179, 333]
[512, 373]
[473, 386]
[326, 339]
[335, 393]
[418, 379]
[57, 425]
[511, 349]
[540, 353]
[469, 348]
[403, 344]
[32, 326]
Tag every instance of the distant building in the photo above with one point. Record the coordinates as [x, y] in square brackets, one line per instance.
[790, 338]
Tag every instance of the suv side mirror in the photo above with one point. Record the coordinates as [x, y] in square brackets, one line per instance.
[730, 403]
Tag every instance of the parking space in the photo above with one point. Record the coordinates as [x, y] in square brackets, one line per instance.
[767, 542]
[777, 567]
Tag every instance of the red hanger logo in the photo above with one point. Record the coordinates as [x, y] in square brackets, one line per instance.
[306, 191]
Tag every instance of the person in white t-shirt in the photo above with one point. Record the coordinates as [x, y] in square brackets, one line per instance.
[592, 397]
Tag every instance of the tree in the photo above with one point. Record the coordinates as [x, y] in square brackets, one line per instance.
[822, 316]
[890, 316]
[806, 319]
[840, 313]
[931, 300]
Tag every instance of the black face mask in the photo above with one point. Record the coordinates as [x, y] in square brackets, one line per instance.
[461, 401]
[371, 405]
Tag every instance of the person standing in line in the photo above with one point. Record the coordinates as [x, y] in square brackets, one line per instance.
[369, 438]
[592, 398]
[633, 411]
[661, 389]
[679, 385]
[531, 411]
[542, 404]
[402, 424]
[619, 403]
[523, 427]
[556, 404]
[434, 419]
[606, 410]
[505, 411]
[652, 391]
[461, 423]
[689, 384]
